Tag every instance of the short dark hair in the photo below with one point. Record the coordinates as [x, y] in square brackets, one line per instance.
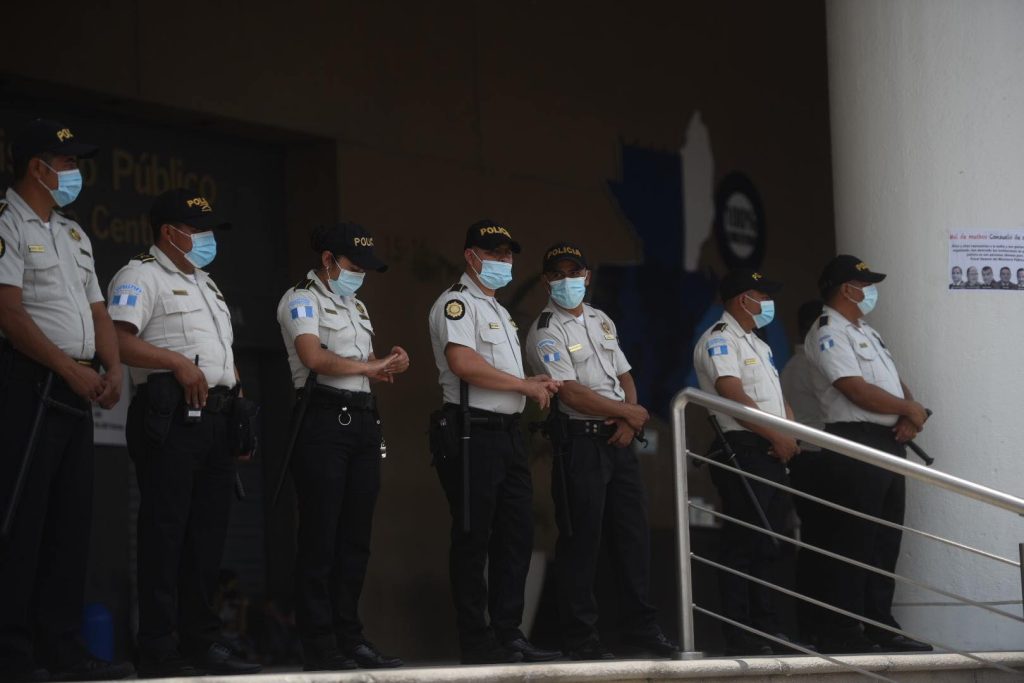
[21, 165]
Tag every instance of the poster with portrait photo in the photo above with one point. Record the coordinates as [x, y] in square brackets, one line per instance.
[986, 260]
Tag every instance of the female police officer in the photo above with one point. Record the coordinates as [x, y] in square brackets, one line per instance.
[338, 447]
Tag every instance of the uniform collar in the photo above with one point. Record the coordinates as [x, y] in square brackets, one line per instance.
[22, 208]
[564, 315]
[831, 312]
[169, 265]
[473, 288]
[733, 325]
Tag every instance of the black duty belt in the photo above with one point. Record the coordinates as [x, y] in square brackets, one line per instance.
[220, 401]
[594, 428]
[330, 397]
[25, 367]
[486, 419]
[747, 439]
[869, 428]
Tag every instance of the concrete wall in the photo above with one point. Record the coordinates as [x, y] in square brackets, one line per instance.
[443, 113]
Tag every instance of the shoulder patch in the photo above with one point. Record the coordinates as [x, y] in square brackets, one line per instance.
[720, 327]
[458, 287]
[454, 310]
[144, 257]
[544, 320]
[822, 321]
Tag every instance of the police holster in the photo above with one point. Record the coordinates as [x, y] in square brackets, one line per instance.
[555, 427]
[243, 424]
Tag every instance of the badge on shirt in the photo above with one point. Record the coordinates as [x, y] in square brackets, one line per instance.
[126, 295]
[494, 326]
[75, 235]
[750, 361]
[514, 326]
[300, 308]
[36, 249]
[548, 350]
[454, 310]
[361, 309]
[607, 329]
[575, 347]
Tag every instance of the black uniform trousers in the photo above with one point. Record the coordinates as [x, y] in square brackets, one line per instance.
[876, 492]
[500, 536]
[336, 469]
[808, 473]
[746, 550]
[43, 562]
[186, 482]
[605, 498]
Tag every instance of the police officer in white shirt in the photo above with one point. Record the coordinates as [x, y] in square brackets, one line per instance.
[174, 328]
[337, 454]
[734, 363]
[864, 400]
[596, 479]
[476, 341]
[52, 323]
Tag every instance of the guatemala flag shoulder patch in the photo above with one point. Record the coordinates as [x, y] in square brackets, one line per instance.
[300, 308]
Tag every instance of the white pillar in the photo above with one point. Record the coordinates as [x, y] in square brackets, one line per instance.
[927, 111]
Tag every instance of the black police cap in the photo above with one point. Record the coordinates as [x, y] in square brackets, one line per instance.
[488, 234]
[563, 251]
[187, 207]
[845, 268]
[48, 137]
[350, 240]
[744, 279]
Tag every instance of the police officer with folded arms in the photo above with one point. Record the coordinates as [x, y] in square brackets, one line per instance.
[53, 322]
[476, 342]
[596, 483]
[336, 459]
[733, 362]
[864, 400]
[175, 333]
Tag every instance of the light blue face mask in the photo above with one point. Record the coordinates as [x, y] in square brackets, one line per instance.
[867, 304]
[569, 292]
[494, 274]
[204, 248]
[766, 315]
[347, 283]
[69, 184]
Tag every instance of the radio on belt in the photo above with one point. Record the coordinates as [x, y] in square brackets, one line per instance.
[193, 415]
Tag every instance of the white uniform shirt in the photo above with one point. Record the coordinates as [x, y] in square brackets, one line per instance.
[340, 323]
[177, 311]
[53, 266]
[466, 316]
[584, 350]
[725, 350]
[839, 348]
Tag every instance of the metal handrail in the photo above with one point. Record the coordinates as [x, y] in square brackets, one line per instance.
[810, 435]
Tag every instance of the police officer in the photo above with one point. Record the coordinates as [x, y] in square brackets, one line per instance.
[734, 363]
[596, 479]
[175, 333]
[864, 400]
[53, 323]
[338, 450]
[475, 341]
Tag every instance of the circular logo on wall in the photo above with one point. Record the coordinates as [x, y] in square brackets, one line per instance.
[739, 222]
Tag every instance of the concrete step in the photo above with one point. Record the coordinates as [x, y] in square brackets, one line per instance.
[906, 668]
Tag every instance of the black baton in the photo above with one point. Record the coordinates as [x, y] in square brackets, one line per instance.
[464, 442]
[26, 459]
[239, 487]
[925, 458]
[563, 489]
[300, 416]
[730, 455]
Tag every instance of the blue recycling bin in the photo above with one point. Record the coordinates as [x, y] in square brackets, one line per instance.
[98, 631]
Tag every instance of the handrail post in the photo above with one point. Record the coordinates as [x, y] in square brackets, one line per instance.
[683, 530]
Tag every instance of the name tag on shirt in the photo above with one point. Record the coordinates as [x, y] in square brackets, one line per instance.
[750, 361]
[36, 249]
[494, 326]
[575, 347]
[180, 292]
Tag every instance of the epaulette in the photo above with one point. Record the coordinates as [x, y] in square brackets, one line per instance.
[60, 212]
[720, 327]
[544, 320]
[144, 257]
[458, 287]
[822, 321]
[306, 283]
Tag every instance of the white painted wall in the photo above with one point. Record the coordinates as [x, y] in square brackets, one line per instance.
[927, 111]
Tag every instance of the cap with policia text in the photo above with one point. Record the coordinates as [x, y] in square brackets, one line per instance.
[48, 137]
[845, 268]
[350, 240]
[488, 234]
[744, 279]
[187, 208]
[563, 251]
